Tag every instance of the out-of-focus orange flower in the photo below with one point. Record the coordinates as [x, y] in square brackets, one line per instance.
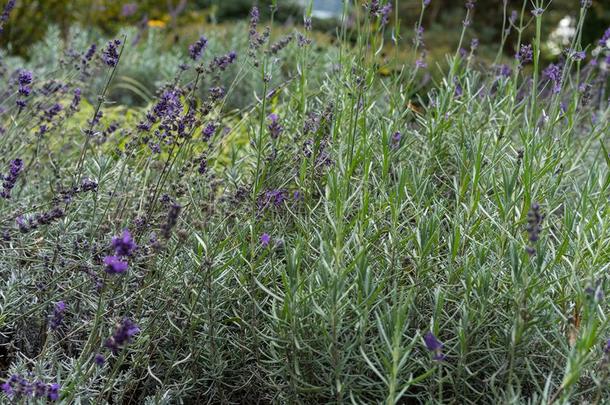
[156, 24]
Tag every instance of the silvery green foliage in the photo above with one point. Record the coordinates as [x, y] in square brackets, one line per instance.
[377, 248]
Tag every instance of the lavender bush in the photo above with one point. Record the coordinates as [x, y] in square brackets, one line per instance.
[342, 237]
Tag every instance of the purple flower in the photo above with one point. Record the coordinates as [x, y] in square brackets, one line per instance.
[129, 9]
[503, 70]
[307, 23]
[534, 227]
[208, 131]
[434, 345]
[76, 100]
[373, 7]
[6, 13]
[222, 62]
[168, 106]
[216, 93]
[418, 39]
[537, 11]
[203, 166]
[99, 359]
[385, 13]
[115, 265]
[513, 17]
[474, 44]
[525, 54]
[421, 64]
[470, 4]
[604, 40]
[58, 315]
[395, 142]
[110, 54]
[272, 198]
[24, 80]
[196, 49]
[11, 178]
[89, 54]
[53, 392]
[18, 387]
[553, 73]
[275, 128]
[427, 3]
[265, 239]
[579, 55]
[88, 185]
[40, 389]
[123, 245]
[122, 335]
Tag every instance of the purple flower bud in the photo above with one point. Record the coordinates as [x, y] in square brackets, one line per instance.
[525, 54]
[115, 265]
[10, 179]
[122, 335]
[99, 359]
[395, 142]
[58, 315]
[53, 392]
[6, 13]
[123, 245]
[434, 345]
[89, 54]
[579, 55]
[265, 239]
[110, 54]
[275, 128]
[129, 9]
[196, 49]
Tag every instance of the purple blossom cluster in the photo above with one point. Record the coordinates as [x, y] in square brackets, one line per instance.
[435, 346]
[272, 199]
[24, 80]
[281, 44]
[6, 12]
[196, 49]
[40, 219]
[124, 246]
[395, 140]
[19, 388]
[525, 54]
[10, 179]
[123, 334]
[553, 74]
[265, 239]
[376, 10]
[275, 128]
[89, 54]
[534, 227]
[58, 315]
[223, 62]
[256, 39]
[110, 54]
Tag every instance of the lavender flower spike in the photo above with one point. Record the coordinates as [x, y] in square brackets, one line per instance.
[434, 345]
[124, 245]
[122, 335]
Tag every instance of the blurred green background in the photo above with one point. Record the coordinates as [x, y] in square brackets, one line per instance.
[31, 19]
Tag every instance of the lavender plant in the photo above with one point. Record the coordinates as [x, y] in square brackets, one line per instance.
[328, 242]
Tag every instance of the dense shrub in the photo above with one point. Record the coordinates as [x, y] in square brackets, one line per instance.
[346, 236]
